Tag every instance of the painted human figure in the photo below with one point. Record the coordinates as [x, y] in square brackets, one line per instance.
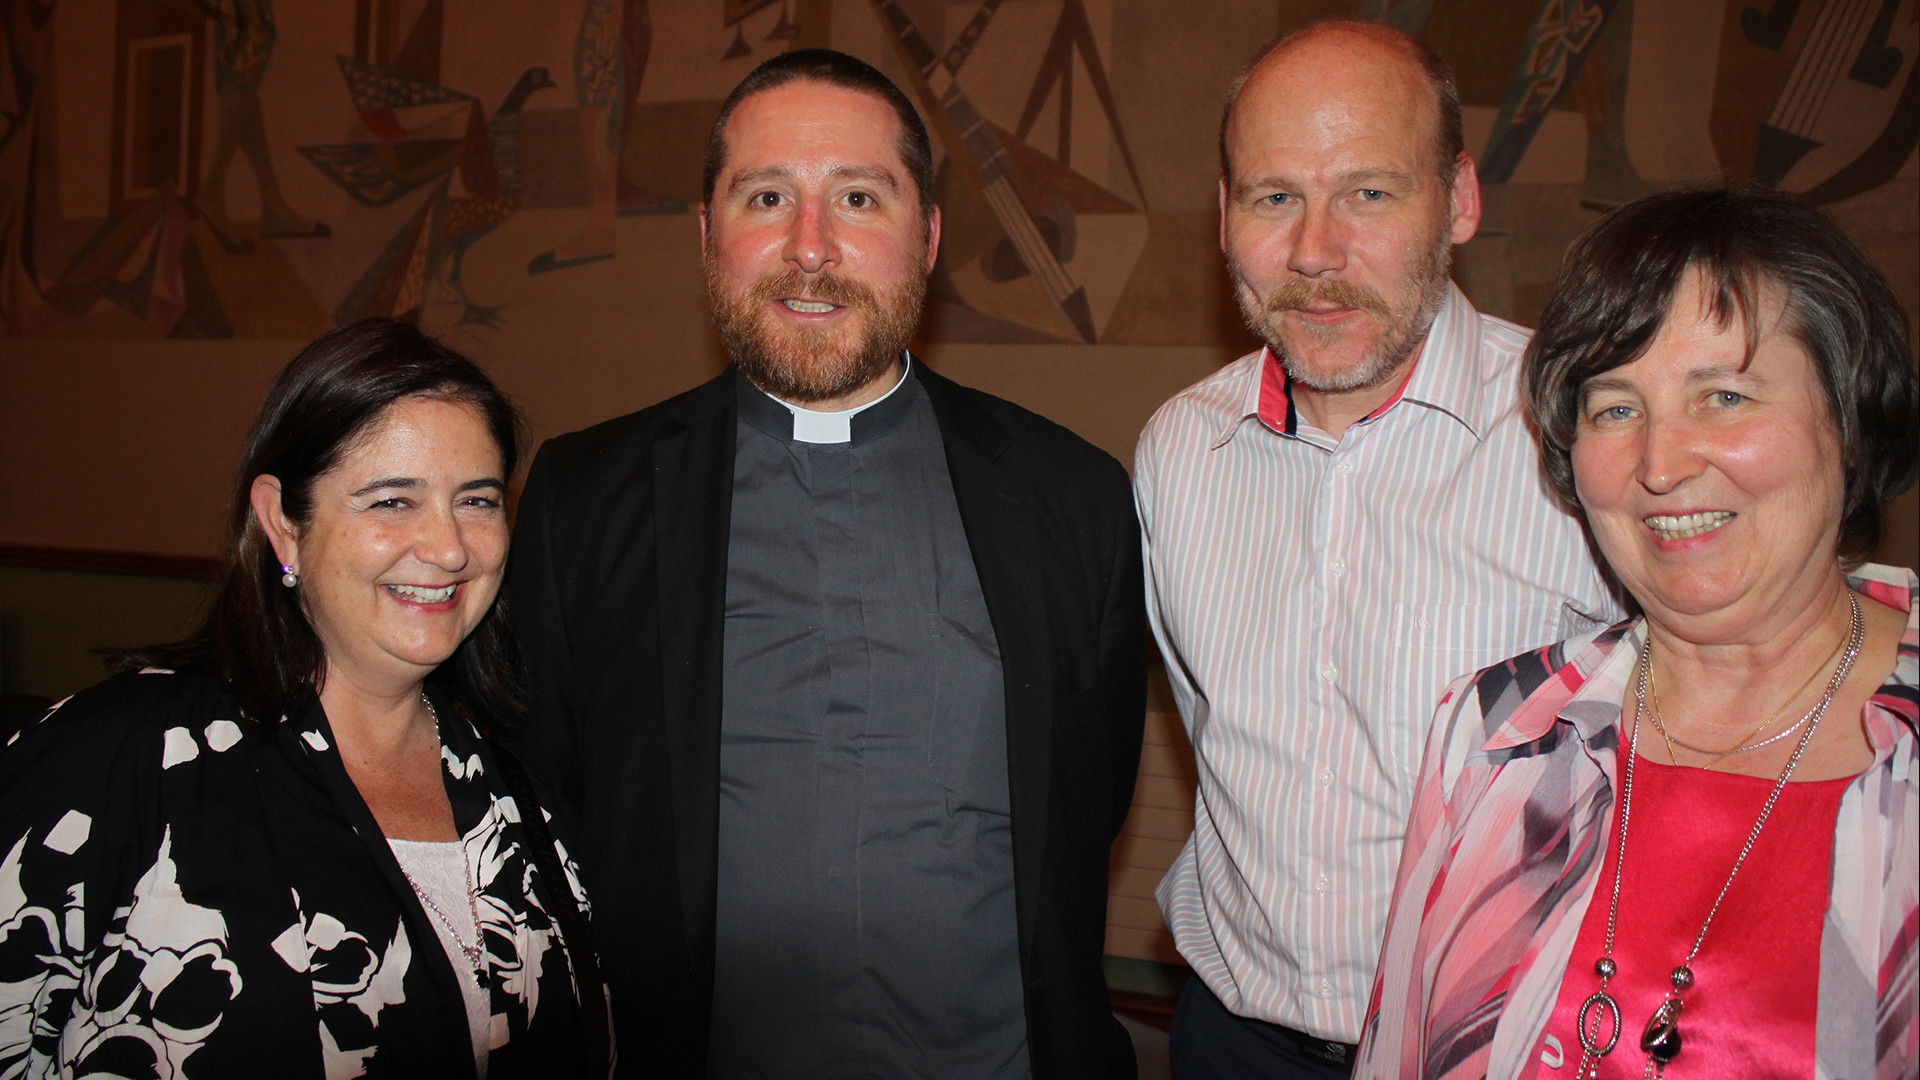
[243, 43]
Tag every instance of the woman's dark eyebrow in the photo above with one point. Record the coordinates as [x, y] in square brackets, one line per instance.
[388, 482]
[407, 482]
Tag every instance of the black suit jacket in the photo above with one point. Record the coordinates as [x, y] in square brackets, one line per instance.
[618, 586]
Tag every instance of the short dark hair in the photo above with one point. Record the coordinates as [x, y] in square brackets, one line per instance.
[1449, 134]
[255, 637]
[1616, 287]
[834, 69]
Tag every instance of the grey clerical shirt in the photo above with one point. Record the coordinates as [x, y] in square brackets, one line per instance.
[865, 921]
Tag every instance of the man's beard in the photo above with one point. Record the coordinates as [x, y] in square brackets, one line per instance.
[1400, 333]
[804, 364]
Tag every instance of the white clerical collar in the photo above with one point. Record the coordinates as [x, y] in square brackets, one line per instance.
[811, 426]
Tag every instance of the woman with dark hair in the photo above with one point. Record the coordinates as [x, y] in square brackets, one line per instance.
[1688, 845]
[282, 846]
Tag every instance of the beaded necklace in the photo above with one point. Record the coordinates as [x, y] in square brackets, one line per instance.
[1599, 1018]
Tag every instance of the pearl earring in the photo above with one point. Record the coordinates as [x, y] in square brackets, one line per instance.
[288, 577]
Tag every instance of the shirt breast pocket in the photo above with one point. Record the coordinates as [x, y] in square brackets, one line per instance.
[1433, 644]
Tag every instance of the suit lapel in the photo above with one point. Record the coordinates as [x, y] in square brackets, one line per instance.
[996, 509]
[693, 505]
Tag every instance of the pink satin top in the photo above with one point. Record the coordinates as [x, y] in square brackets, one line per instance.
[1751, 1010]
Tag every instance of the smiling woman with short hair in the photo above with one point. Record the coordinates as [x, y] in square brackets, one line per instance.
[1688, 845]
[282, 846]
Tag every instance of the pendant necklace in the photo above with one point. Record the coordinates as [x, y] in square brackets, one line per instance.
[475, 953]
[1599, 1016]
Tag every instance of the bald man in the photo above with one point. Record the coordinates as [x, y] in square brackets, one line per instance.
[1336, 525]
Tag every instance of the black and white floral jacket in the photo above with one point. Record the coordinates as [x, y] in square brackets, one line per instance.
[179, 898]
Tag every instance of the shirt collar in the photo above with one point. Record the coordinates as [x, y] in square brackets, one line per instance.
[795, 423]
[1587, 691]
[1446, 376]
[1449, 376]
[1276, 407]
[1898, 715]
[1252, 387]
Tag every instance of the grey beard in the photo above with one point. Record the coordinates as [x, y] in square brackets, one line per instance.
[1401, 334]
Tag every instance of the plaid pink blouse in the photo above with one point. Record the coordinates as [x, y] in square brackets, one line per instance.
[1511, 821]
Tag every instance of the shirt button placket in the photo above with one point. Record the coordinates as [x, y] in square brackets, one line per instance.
[1335, 520]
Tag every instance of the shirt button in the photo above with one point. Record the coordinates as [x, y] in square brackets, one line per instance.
[1346, 466]
[1321, 884]
[1337, 566]
[1329, 673]
[1325, 777]
[1326, 988]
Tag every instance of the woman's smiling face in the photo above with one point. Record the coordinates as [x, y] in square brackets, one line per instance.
[1714, 485]
[403, 551]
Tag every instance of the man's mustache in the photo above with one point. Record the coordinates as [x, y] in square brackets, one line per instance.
[794, 284]
[1298, 295]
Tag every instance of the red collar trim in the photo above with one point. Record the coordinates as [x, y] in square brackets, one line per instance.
[1276, 395]
[1277, 410]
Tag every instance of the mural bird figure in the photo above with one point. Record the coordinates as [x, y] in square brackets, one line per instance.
[426, 134]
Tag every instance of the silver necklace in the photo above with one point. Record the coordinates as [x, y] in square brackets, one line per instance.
[1660, 1040]
[1743, 747]
[475, 953]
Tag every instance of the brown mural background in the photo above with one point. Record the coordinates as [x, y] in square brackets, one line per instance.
[191, 188]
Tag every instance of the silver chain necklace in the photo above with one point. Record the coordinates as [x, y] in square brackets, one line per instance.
[475, 953]
[1744, 747]
[1661, 1038]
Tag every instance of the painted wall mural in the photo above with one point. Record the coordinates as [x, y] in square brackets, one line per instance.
[156, 182]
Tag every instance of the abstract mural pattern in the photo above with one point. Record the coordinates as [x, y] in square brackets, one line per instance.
[442, 140]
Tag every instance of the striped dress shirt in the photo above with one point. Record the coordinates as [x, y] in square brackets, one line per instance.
[1312, 598]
